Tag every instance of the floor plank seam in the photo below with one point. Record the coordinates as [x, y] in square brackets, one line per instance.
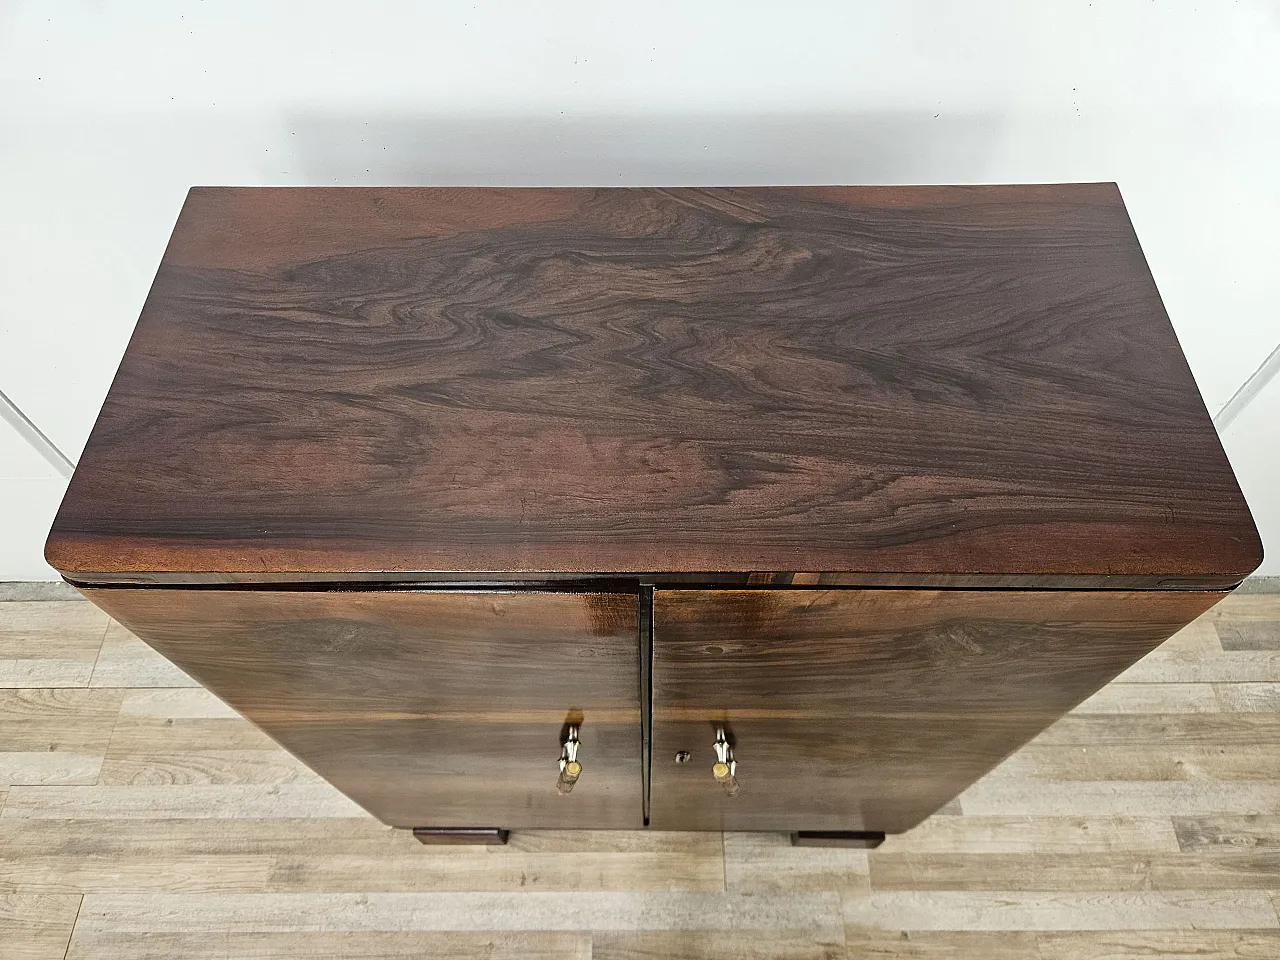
[98, 656]
[115, 725]
[66, 951]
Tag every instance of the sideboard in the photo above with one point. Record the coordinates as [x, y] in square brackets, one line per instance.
[779, 508]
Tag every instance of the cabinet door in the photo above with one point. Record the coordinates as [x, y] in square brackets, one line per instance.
[429, 709]
[869, 709]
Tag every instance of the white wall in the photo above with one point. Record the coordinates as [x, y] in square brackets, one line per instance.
[109, 111]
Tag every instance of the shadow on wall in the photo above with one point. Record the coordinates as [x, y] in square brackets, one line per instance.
[638, 150]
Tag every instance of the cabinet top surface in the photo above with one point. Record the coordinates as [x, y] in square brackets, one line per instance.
[896, 381]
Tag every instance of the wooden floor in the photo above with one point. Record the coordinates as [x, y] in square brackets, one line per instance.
[142, 818]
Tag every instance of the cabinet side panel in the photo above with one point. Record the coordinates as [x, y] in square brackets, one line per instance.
[429, 709]
[870, 709]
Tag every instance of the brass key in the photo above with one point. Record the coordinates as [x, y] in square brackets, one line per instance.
[570, 768]
[725, 769]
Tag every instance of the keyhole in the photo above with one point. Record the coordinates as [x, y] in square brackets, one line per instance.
[683, 756]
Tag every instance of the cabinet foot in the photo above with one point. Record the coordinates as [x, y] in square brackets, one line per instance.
[862, 839]
[461, 835]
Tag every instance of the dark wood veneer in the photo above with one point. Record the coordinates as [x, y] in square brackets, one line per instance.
[870, 709]
[926, 385]
[439, 709]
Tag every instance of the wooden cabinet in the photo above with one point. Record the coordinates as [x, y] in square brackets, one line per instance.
[460, 492]
[867, 710]
[437, 708]
[843, 709]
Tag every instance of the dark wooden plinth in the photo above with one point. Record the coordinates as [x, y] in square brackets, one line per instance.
[436, 836]
[858, 839]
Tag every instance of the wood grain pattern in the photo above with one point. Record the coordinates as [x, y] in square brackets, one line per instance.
[330, 945]
[50, 643]
[436, 709]
[36, 926]
[868, 710]
[1230, 832]
[339, 855]
[52, 737]
[1118, 910]
[957, 833]
[929, 385]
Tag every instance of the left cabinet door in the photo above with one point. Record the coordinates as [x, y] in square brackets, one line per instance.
[431, 708]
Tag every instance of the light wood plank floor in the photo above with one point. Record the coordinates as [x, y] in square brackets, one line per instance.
[140, 817]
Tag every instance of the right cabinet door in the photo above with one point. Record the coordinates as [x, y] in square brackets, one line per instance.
[869, 709]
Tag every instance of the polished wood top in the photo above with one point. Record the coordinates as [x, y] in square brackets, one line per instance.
[880, 384]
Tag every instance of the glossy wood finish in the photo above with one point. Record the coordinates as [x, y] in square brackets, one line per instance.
[915, 385]
[867, 710]
[429, 709]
